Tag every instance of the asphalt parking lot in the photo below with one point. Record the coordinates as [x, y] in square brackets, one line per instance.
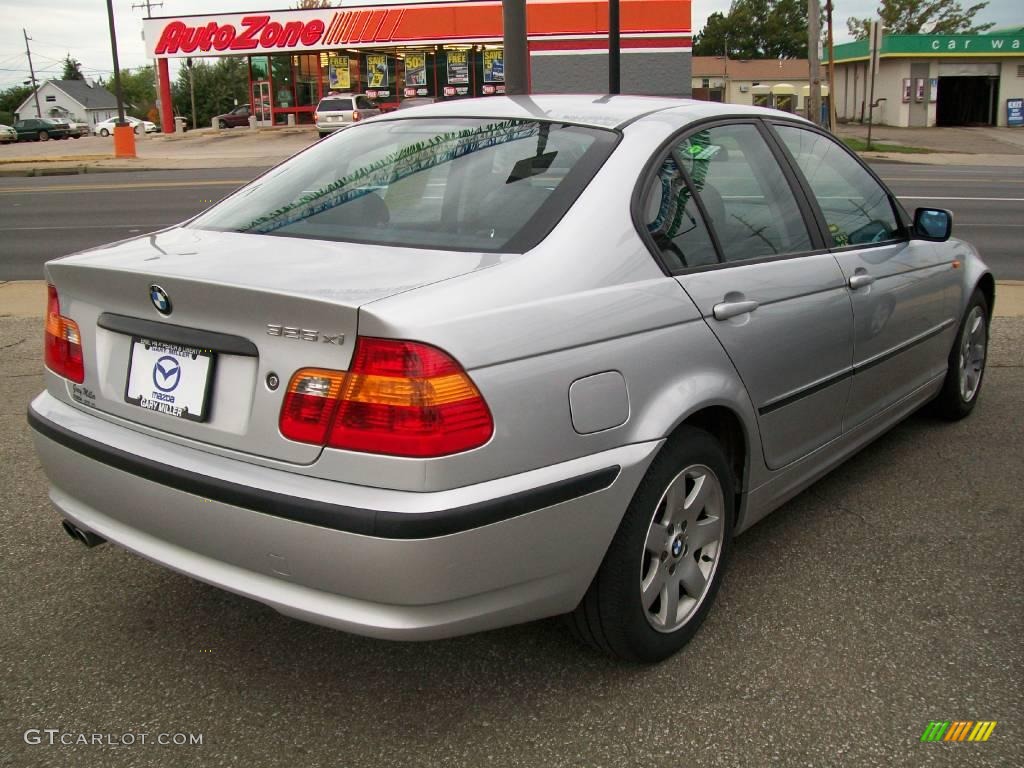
[886, 596]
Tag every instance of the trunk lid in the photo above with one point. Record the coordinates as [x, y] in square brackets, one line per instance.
[259, 304]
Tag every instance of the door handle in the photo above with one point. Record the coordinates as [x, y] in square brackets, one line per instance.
[860, 281]
[728, 309]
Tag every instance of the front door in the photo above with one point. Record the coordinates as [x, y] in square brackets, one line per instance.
[903, 291]
[261, 104]
[775, 301]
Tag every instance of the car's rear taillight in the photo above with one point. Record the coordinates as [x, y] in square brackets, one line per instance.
[316, 118]
[63, 342]
[356, 117]
[400, 398]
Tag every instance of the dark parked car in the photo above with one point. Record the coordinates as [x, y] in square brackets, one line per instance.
[39, 129]
[239, 116]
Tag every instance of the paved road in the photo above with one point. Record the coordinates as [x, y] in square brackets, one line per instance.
[44, 217]
[886, 596]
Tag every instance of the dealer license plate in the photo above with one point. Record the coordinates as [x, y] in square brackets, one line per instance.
[169, 378]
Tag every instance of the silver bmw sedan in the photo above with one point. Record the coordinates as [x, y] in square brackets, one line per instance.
[482, 362]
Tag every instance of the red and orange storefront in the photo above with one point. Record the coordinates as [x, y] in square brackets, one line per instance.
[444, 50]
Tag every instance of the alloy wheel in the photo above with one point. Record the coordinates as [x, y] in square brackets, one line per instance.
[973, 346]
[682, 548]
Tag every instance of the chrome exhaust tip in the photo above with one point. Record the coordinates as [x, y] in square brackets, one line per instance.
[82, 537]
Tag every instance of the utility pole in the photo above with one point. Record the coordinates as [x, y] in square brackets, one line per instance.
[875, 36]
[831, 69]
[124, 136]
[725, 76]
[149, 5]
[814, 60]
[32, 72]
[516, 52]
[614, 48]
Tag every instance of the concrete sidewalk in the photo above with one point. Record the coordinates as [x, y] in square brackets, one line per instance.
[205, 148]
[946, 146]
[242, 147]
[27, 298]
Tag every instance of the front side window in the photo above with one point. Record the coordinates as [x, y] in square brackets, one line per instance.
[750, 204]
[364, 103]
[856, 208]
[453, 183]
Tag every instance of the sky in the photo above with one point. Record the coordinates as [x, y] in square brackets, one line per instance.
[79, 27]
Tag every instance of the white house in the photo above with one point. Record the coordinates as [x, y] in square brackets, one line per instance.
[81, 100]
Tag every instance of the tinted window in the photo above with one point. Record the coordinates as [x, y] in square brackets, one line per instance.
[334, 105]
[468, 184]
[750, 204]
[856, 208]
[674, 221]
[364, 103]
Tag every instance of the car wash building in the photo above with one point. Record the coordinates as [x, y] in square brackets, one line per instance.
[443, 50]
[934, 80]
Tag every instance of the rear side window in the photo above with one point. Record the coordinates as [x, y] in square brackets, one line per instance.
[856, 208]
[334, 105]
[454, 183]
[675, 222]
[750, 204]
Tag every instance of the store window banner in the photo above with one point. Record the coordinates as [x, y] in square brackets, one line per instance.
[458, 67]
[338, 73]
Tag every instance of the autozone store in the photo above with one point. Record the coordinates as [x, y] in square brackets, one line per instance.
[445, 50]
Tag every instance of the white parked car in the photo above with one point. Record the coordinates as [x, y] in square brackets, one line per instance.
[106, 128]
[7, 134]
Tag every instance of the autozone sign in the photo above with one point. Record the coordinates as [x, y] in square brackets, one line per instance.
[255, 32]
[562, 23]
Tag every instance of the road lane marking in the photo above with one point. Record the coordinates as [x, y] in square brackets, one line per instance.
[983, 199]
[139, 185]
[83, 226]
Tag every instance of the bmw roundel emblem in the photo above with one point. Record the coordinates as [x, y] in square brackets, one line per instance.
[160, 299]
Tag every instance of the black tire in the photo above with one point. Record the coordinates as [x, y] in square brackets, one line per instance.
[104, 132]
[952, 402]
[43, 136]
[612, 617]
[136, 130]
[222, 124]
[77, 136]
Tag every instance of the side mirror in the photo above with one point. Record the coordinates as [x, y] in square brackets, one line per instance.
[935, 224]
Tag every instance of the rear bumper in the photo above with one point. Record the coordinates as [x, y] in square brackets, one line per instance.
[391, 564]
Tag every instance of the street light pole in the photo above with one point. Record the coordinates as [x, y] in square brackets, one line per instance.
[516, 51]
[124, 134]
[614, 48]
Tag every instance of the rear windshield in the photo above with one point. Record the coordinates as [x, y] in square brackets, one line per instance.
[451, 184]
[334, 105]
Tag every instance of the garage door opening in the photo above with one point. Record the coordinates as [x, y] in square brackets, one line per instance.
[967, 100]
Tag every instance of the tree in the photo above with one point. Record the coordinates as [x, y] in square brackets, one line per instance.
[10, 100]
[72, 69]
[912, 17]
[138, 86]
[218, 88]
[756, 29]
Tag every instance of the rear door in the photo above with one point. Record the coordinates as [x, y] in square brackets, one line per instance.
[775, 299]
[903, 291]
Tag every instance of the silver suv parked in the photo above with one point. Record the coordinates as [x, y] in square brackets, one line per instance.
[338, 110]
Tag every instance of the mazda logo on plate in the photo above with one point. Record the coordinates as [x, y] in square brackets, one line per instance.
[166, 374]
[160, 299]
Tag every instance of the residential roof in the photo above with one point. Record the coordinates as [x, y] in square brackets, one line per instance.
[89, 96]
[751, 69]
